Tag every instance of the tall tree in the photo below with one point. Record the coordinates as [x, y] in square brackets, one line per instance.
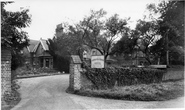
[12, 35]
[126, 44]
[99, 32]
[148, 33]
[171, 22]
[67, 40]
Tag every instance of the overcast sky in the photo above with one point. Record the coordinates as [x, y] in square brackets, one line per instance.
[46, 14]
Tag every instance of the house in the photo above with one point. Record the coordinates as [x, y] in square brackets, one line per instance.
[138, 58]
[37, 54]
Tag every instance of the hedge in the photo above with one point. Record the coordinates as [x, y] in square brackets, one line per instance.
[120, 76]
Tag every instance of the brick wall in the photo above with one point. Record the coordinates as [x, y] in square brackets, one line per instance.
[5, 71]
[77, 79]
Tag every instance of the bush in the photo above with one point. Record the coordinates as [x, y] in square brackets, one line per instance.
[108, 77]
[131, 76]
[102, 78]
[12, 97]
[25, 71]
[143, 92]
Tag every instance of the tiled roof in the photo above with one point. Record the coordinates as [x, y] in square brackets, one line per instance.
[32, 44]
[44, 44]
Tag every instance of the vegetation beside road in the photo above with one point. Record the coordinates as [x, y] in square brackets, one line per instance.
[109, 77]
[12, 97]
[143, 92]
[151, 91]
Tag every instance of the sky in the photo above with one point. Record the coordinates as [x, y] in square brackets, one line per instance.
[46, 15]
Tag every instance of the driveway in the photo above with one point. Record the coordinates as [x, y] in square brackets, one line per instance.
[48, 93]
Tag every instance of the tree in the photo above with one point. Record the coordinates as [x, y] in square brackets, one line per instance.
[100, 33]
[12, 35]
[126, 44]
[65, 43]
[171, 22]
[148, 32]
[61, 63]
[67, 39]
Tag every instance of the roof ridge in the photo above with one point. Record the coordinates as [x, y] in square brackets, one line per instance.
[36, 46]
[42, 44]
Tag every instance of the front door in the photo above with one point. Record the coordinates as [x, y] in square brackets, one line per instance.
[47, 62]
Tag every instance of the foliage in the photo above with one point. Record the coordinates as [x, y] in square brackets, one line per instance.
[99, 32]
[159, 35]
[17, 61]
[108, 77]
[25, 70]
[60, 60]
[146, 32]
[102, 78]
[171, 28]
[143, 92]
[132, 76]
[67, 40]
[11, 24]
[94, 31]
[61, 64]
[126, 44]
[28, 70]
[12, 35]
[12, 97]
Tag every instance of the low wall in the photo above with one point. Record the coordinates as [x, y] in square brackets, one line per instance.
[172, 74]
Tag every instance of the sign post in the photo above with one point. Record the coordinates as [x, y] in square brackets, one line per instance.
[97, 61]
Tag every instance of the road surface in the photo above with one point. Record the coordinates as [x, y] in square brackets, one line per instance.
[48, 93]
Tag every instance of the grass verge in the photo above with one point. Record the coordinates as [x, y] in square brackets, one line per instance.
[143, 92]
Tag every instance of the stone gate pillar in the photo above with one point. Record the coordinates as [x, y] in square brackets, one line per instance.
[75, 76]
[5, 71]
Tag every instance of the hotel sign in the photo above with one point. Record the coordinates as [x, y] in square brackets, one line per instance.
[97, 61]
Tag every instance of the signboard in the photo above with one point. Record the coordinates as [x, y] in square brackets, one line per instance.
[97, 61]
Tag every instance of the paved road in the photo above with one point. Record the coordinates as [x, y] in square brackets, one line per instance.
[48, 93]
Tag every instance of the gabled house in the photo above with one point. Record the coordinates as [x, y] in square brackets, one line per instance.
[37, 54]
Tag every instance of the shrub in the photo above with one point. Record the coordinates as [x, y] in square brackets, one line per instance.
[102, 78]
[108, 77]
[25, 71]
[12, 97]
[131, 76]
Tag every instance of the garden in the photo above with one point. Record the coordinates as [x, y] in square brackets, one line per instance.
[27, 72]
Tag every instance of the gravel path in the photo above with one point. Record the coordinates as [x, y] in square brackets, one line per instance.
[48, 93]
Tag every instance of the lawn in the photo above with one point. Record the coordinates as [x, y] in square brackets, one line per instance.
[143, 92]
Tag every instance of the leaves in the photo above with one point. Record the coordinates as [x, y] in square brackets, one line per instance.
[100, 33]
[171, 27]
[11, 28]
[106, 78]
